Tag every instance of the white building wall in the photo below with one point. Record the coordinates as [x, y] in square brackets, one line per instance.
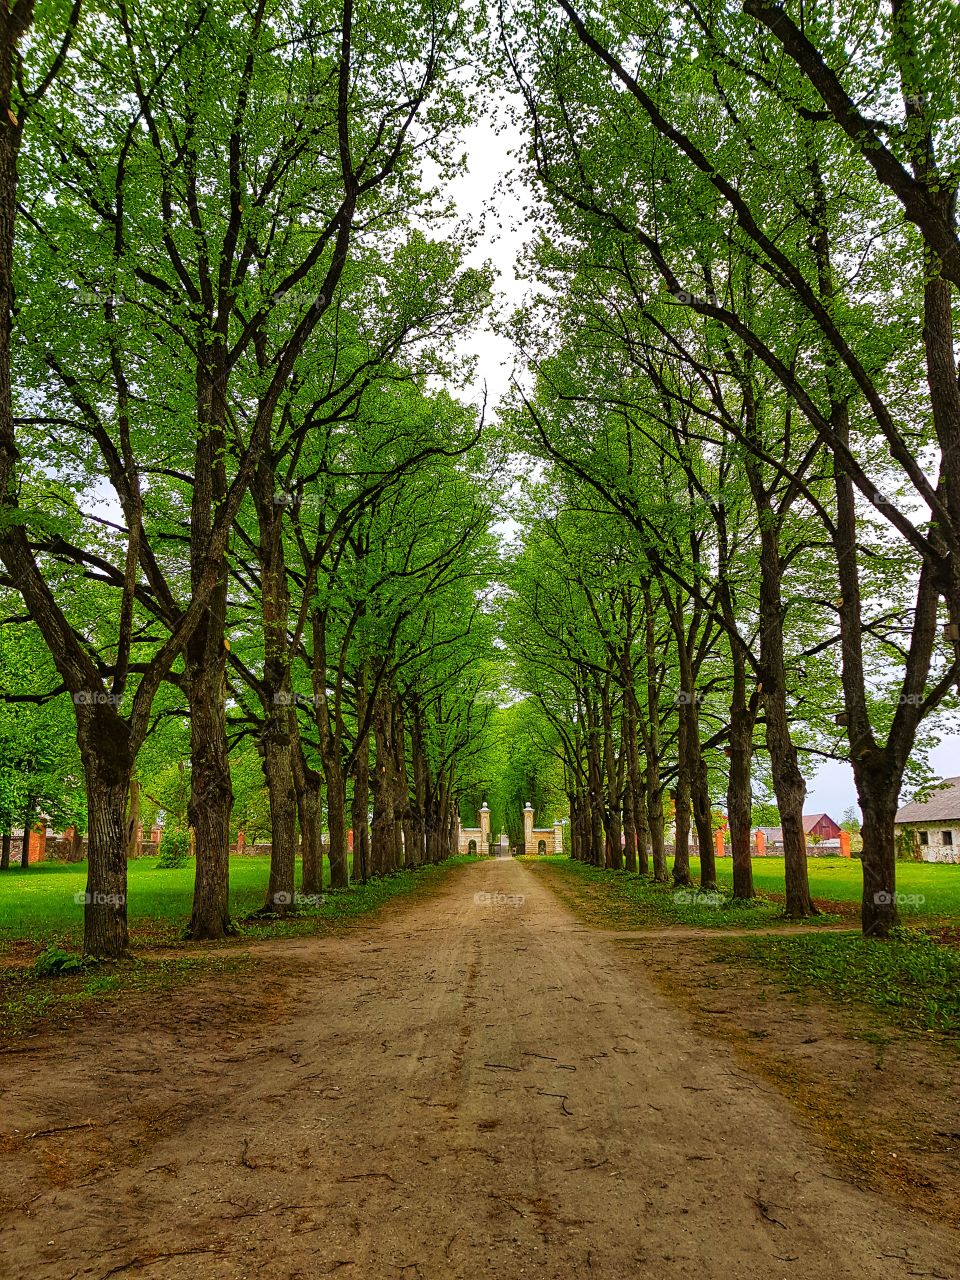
[936, 849]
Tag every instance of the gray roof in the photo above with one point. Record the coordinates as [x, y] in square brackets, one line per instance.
[943, 805]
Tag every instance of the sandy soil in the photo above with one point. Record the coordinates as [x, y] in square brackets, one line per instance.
[465, 1089]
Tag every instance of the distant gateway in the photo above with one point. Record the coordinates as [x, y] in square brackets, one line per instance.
[536, 840]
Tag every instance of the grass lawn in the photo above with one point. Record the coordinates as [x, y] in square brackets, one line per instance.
[928, 888]
[623, 901]
[37, 905]
[929, 892]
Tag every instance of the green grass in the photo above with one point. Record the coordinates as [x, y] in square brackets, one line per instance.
[839, 880]
[629, 902]
[37, 905]
[911, 981]
[929, 889]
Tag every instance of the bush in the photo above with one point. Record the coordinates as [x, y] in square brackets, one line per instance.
[174, 849]
[54, 960]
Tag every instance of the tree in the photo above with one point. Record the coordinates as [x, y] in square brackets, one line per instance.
[705, 140]
[205, 236]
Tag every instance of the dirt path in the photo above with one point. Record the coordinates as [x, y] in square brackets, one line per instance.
[468, 1089]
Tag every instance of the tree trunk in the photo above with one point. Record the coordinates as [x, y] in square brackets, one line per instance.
[691, 752]
[788, 782]
[5, 852]
[411, 860]
[133, 819]
[362, 853]
[651, 744]
[878, 789]
[877, 770]
[573, 849]
[421, 785]
[700, 796]
[278, 772]
[681, 820]
[337, 823]
[107, 772]
[584, 830]
[307, 783]
[739, 788]
[634, 809]
[791, 791]
[598, 848]
[403, 807]
[279, 734]
[629, 832]
[381, 828]
[430, 820]
[611, 808]
[658, 851]
[211, 795]
[447, 820]
[311, 841]
[642, 822]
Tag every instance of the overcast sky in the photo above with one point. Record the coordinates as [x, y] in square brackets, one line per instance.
[479, 195]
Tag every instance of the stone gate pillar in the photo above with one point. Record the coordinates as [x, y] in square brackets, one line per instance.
[558, 837]
[485, 827]
[528, 847]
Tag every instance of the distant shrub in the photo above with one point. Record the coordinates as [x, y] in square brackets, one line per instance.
[174, 849]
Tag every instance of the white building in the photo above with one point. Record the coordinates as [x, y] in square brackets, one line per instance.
[934, 823]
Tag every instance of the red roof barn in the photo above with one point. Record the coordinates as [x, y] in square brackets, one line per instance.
[820, 825]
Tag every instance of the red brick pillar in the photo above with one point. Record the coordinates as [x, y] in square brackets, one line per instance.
[37, 843]
[718, 844]
[844, 844]
[761, 842]
[241, 841]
